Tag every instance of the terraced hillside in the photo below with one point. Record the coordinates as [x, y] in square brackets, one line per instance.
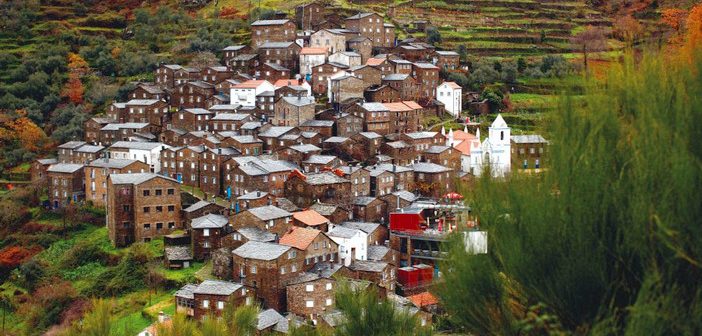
[503, 27]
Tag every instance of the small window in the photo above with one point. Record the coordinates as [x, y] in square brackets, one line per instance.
[171, 208]
[309, 304]
[329, 302]
[147, 192]
[159, 208]
[309, 288]
[147, 227]
[253, 269]
[205, 303]
[158, 192]
[220, 305]
[171, 191]
[329, 286]
[147, 209]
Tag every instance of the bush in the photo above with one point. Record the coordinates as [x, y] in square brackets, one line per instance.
[129, 275]
[82, 254]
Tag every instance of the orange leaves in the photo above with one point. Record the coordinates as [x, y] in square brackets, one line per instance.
[74, 89]
[628, 28]
[13, 256]
[75, 62]
[674, 17]
[26, 132]
[693, 27]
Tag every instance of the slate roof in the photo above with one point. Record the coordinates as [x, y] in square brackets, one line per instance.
[363, 200]
[286, 204]
[137, 145]
[234, 48]
[324, 209]
[275, 131]
[405, 195]
[305, 148]
[111, 163]
[436, 149]
[72, 144]
[197, 206]
[325, 268]
[336, 139]
[320, 159]
[424, 65]
[119, 126]
[395, 77]
[209, 221]
[343, 232]
[253, 233]
[254, 195]
[261, 250]
[197, 110]
[325, 178]
[269, 212]
[217, 287]
[178, 253]
[268, 318]
[374, 107]
[370, 135]
[359, 16]
[276, 45]
[269, 22]
[186, 291]
[299, 101]
[142, 102]
[528, 139]
[421, 135]
[276, 66]
[89, 149]
[377, 252]
[366, 227]
[244, 57]
[47, 161]
[136, 178]
[447, 53]
[318, 123]
[368, 265]
[64, 168]
[299, 237]
[428, 167]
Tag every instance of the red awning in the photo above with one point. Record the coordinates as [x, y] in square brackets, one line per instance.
[453, 196]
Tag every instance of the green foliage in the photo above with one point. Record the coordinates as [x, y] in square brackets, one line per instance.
[81, 254]
[98, 321]
[129, 275]
[433, 36]
[607, 241]
[31, 273]
[68, 121]
[495, 98]
[366, 315]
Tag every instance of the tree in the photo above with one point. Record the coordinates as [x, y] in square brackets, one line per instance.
[628, 29]
[494, 97]
[521, 64]
[674, 18]
[589, 40]
[241, 321]
[433, 36]
[203, 59]
[74, 89]
[608, 240]
[98, 320]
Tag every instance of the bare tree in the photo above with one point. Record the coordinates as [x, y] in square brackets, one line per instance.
[589, 40]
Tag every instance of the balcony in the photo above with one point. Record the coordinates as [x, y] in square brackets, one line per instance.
[429, 254]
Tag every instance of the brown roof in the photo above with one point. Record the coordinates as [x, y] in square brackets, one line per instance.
[313, 51]
[402, 106]
[250, 84]
[310, 218]
[375, 61]
[299, 237]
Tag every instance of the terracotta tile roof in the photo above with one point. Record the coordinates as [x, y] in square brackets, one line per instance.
[452, 85]
[313, 51]
[423, 299]
[288, 82]
[375, 61]
[250, 84]
[412, 104]
[299, 237]
[310, 217]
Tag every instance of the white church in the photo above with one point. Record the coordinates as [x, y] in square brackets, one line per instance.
[495, 151]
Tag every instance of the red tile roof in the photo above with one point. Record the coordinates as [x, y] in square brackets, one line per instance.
[452, 85]
[375, 61]
[300, 238]
[310, 217]
[313, 51]
[249, 84]
[423, 299]
[287, 82]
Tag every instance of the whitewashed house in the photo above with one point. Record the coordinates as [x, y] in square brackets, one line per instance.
[147, 152]
[310, 58]
[245, 93]
[353, 243]
[450, 94]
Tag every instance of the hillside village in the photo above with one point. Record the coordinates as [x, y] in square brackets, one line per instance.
[304, 157]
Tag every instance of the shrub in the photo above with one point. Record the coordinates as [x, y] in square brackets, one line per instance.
[82, 254]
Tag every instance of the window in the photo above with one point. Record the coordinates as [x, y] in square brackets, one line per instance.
[158, 192]
[147, 192]
[293, 268]
[220, 305]
[125, 208]
[171, 208]
[206, 232]
[159, 226]
[282, 269]
[309, 288]
[292, 254]
[309, 303]
[328, 286]
[147, 209]
[171, 191]
[328, 302]
[205, 303]
[159, 208]
[171, 225]
[147, 227]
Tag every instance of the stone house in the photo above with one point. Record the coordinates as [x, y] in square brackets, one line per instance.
[298, 153]
[421, 141]
[380, 273]
[405, 85]
[182, 164]
[273, 72]
[405, 116]
[38, 171]
[252, 173]
[97, 171]
[326, 187]
[228, 121]
[528, 151]
[266, 31]
[321, 74]
[293, 111]
[65, 151]
[427, 76]
[402, 178]
[372, 26]
[314, 244]
[92, 128]
[369, 209]
[311, 57]
[192, 119]
[141, 206]
[269, 218]
[310, 219]
[309, 15]
[370, 75]
[318, 163]
[285, 54]
[66, 184]
[376, 233]
[211, 297]
[333, 40]
[215, 74]
[267, 267]
[311, 295]
[370, 141]
[362, 46]
[200, 209]
[245, 144]
[324, 127]
[112, 133]
[229, 52]
[446, 60]
[206, 232]
[334, 213]
[345, 87]
[165, 75]
[433, 180]
[245, 63]
[347, 58]
[381, 94]
[382, 63]
[360, 180]
[192, 94]
[401, 66]
[443, 155]
[376, 117]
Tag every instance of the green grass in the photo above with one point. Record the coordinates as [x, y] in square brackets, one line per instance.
[181, 276]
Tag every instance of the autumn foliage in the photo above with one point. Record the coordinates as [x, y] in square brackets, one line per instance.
[13, 256]
[25, 131]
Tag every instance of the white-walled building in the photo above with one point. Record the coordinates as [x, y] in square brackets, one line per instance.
[495, 150]
[353, 243]
[245, 93]
[348, 58]
[310, 58]
[450, 94]
[147, 152]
